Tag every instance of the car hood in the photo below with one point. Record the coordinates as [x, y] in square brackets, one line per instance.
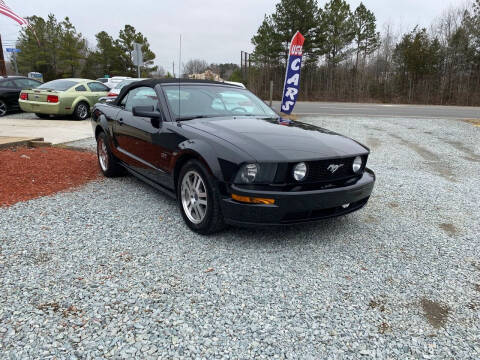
[279, 139]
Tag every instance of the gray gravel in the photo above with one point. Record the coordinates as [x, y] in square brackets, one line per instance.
[110, 270]
[86, 144]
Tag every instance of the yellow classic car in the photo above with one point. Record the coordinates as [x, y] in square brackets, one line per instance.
[63, 97]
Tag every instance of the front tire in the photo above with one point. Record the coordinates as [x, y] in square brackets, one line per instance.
[107, 162]
[3, 108]
[199, 199]
[82, 111]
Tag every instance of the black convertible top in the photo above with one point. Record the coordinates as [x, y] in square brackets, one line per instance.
[154, 82]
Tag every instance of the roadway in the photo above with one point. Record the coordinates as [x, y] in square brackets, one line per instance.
[383, 110]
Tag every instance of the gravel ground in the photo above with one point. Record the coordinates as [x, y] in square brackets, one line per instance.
[110, 270]
[87, 144]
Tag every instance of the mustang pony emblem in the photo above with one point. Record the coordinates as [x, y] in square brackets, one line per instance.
[334, 167]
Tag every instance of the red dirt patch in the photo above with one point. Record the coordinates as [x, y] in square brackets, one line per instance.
[30, 173]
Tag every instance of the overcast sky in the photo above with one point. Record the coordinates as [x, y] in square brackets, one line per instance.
[214, 30]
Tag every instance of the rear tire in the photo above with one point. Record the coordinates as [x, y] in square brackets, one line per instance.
[82, 111]
[43, 116]
[199, 199]
[3, 108]
[107, 162]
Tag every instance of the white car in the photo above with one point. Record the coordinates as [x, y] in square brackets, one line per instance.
[114, 81]
[113, 93]
[116, 90]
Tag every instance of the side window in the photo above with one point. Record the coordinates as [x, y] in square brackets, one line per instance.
[81, 88]
[9, 84]
[97, 87]
[142, 96]
[26, 83]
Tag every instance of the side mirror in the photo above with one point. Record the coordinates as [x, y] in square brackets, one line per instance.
[148, 112]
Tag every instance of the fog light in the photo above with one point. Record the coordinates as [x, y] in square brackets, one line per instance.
[357, 164]
[300, 171]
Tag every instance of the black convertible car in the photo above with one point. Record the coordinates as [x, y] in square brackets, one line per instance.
[227, 157]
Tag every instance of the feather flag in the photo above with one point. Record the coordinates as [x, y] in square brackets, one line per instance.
[5, 10]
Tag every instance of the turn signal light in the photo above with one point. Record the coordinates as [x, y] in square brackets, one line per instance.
[24, 96]
[52, 98]
[253, 200]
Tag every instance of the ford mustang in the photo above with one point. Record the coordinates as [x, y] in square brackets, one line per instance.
[227, 157]
[63, 97]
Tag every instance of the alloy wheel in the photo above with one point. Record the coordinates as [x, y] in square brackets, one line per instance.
[82, 111]
[102, 154]
[3, 108]
[194, 197]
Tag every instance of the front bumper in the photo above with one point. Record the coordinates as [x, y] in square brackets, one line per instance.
[298, 207]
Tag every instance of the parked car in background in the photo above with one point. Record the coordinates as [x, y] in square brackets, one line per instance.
[227, 157]
[63, 97]
[10, 88]
[116, 90]
[114, 81]
[102, 80]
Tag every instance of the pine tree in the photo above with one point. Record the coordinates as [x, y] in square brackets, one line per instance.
[127, 37]
[366, 37]
[335, 31]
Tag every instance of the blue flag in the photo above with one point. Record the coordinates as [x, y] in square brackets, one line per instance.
[292, 77]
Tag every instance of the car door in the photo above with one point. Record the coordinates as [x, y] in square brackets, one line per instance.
[138, 139]
[10, 92]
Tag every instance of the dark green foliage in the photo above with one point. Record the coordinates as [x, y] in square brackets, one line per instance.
[57, 50]
[347, 59]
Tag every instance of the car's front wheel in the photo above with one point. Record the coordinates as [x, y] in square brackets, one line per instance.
[82, 111]
[108, 163]
[199, 199]
[3, 108]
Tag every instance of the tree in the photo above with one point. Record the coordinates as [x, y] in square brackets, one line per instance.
[195, 66]
[417, 57]
[296, 15]
[268, 43]
[335, 32]
[366, 37]
[127, 37]
[72, 49]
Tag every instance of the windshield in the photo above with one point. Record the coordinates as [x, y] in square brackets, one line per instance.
[59, 85]
[193, 101]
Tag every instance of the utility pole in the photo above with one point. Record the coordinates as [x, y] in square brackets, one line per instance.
[173, 66]
[3, 68]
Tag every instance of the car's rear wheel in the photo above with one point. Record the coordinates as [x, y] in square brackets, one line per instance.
[199, 199]
[43, 116]
[82, 111]
[3, 108]
[108, 163]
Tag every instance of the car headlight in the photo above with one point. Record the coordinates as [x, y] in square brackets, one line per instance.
[300, 171]
[357, 164]
[256, 174]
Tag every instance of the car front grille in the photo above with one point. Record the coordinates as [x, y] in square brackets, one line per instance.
[328, 170]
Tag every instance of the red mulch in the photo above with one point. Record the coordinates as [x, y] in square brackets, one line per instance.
[30, 173]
